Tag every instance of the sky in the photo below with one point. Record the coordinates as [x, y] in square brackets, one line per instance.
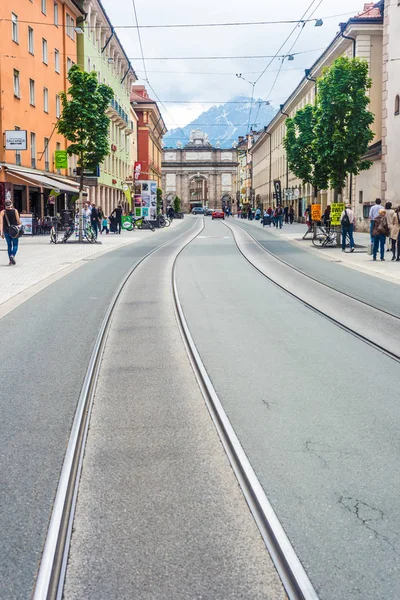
[198, 84]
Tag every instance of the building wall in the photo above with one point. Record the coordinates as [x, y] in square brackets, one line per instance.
[391, 88]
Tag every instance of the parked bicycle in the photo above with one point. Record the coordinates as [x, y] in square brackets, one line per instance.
[163, 221]
[324, 237]
[88, 233]
[140, 223]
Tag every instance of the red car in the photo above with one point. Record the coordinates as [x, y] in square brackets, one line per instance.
[218, 214]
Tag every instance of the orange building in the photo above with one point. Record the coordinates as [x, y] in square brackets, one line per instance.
[37, 47]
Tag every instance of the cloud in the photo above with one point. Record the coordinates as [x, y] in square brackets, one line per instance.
[215, 80]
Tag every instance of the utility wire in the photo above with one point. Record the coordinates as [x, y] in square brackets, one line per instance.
[140, 38]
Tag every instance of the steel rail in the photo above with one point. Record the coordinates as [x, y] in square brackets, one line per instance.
[327, 285]
[320, 312]
[52, 570]
[292, 574]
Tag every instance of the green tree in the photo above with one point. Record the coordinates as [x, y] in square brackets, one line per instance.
[300, 151]
[177, 204]
[342, 121]
[159, 201]
[83, 121]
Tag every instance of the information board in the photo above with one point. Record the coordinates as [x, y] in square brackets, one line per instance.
[336, 210]
[316, 212]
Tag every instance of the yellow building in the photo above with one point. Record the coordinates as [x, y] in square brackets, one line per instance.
[361, 36]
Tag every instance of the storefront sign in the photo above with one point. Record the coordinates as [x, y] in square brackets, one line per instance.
[316, 212]
[126, 221]
[336, 210]
[16, 139]
[137, 170]
[127, 192]
[278, 190]
[61, 159]
[88, 172]
[26, 221]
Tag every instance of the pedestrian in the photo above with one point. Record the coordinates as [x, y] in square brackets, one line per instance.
[327, 217]
[95, 220]
[286, 213]
[307, 215]
[117, 212]
[239, 213]
[291, 214]
[389, 217]
[395, 234]
[373, 213]
[380, 233]
[9, 217]
[279, 216]
[104, 225]
[170, 212]
[347, 220]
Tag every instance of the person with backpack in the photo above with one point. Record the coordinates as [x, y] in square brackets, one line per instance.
[347, 220]
[379, 233]
[9, 221]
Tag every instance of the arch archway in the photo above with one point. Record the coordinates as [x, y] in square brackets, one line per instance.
[198, 191]
[226, 200]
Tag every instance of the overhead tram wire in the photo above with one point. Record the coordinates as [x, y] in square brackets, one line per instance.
[276, 56]
[145, 71]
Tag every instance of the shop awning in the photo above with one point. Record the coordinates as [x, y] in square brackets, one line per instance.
[42, 181]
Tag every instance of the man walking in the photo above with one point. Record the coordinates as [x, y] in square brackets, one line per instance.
[118, 218]
[373, 213]
[94, 219]
[347, 220]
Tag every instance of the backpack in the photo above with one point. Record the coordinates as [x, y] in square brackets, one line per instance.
[279, 212]
[345, 219]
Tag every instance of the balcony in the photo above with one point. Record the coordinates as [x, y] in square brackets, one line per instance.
[117, 113]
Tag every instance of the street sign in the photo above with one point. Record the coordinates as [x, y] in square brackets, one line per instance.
[89, 172]
[16, 139]
[316, 212]
[61, 159]
[336, 210]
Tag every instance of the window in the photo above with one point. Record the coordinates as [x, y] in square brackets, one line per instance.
[56, 61]
[45, 100]
[44, 51]
[44, 7]
[397, 105]
[46, 154]
[55, 13]
[32, 99]
[70, 27]
[14, 21]
[89, 64]
[69, 64]
[33, 150]
[31, 42]
[17, 152]
[16, 84]
[58, 106]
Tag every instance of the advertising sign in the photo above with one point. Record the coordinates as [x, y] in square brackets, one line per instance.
[146, 199]
[26, 221]
[278, 190]
[137, 170]
[336, 210]
[89, 172]
[126, 222]
[16, 139]
[61, 159]
[316, 212]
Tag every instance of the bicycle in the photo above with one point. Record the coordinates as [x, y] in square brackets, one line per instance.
[54, 231]
[87, 231]
[141, 223]
[164, 222]
[324, 237]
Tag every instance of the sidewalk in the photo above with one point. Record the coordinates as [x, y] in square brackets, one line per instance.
[40, 263]
[358, 260]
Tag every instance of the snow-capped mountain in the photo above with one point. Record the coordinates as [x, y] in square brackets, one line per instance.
[225, 122]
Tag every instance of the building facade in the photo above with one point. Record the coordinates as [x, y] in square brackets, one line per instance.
[100, 50]
[151, 129]
[271, 176]
[391, 104]
[200, 174]
[38, 43]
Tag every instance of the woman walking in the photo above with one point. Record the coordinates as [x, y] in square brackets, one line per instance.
[395, 234]
[379, 233]
[8, 217]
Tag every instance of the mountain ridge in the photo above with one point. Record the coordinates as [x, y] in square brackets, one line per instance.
[224, 123]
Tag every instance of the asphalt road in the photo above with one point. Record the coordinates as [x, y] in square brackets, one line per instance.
[160, 514]
[44, 351]
[382, 294]
[316, 411]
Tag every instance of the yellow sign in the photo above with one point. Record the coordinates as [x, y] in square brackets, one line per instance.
[316, 212]
[336, 210]
[127, 192]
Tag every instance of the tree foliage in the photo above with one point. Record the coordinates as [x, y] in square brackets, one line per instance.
[177, 204]
[326, 141]
[342, 120]
[83, 121]
[300, 150]
[159, 201]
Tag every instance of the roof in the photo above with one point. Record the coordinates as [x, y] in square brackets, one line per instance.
[370, 11]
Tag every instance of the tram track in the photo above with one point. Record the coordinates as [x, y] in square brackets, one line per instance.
[348, 312]
[52, 571]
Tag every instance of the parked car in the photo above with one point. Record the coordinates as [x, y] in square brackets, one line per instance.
[218, 214]
[209, 212]
[198, 210]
